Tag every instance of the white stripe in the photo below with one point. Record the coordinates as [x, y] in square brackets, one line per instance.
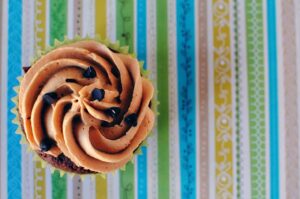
[70, 186]
[174, 178]
[151, 63]
[85, 18]
[93, 187]
[48, 183]
[70, 19]
[3, 172]
[86, 189]
[233, 107]
[92, 18]
[267, 122]
[297, 22]
[244, 130]
[111, 19]
[28, 52]
[211, 114]
[281, 104]
[113, 183]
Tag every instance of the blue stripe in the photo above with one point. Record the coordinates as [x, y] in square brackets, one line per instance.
[273, 97]
[142, 55]
[14, 70]
[186, 96]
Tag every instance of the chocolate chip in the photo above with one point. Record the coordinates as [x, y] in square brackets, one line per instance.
[118, 99]
[89, 72]
[98, 94]
[131, 119]
[50, 98]
[107, 124]
[113, 112]
[26, 68]
[46, 144]
[71, 80]
[115, 72]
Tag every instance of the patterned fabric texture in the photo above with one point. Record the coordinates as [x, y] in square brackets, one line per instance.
[226, 75]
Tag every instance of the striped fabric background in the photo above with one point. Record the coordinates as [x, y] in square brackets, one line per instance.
[226, 72]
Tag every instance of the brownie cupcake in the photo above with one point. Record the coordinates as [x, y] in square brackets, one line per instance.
[85, 108]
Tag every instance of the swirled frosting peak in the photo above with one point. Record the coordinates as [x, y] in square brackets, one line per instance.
[87, 102]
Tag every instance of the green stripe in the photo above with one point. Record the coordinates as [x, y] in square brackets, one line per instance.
[125, 34]
[163, 97]
[58, 29]
[58, 20]
[256, 98]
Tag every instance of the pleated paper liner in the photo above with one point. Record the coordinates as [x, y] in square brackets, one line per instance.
[115, 47]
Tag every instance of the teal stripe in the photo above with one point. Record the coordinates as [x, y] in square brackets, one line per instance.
[14, 157]
[58, 29]
[125, 34]
[142, 55]
[186, 96]
[163, 97]
[273, 100]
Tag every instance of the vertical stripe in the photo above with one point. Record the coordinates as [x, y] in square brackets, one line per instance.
[237, 115]
[186, 97]
[13, 71]
[78, 17]
[297, 24]
[291, 104]
[141, 40]
[77, 187]
[58, 20]
[111, 20]
[40, 43]
[174, 155]
[242, 134]
[100, 30]
[27, 53]
[273, 100]
[113, 185]
[100, 19]
[223, 99]
[203, 103]
[162, 96]
[101, 189]
[58, 29]
[3, 104]
[125, 34]
[256, 98]
[152, 155]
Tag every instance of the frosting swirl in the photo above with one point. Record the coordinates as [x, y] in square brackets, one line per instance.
[92, 102]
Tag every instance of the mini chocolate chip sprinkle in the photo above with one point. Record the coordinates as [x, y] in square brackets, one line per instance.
[98, 94]
[46, 144]
[71, 80]
[89, 72]
[113, 111]
[50, 98]
[107, 124]
[131, 119]
[26, 68]
[115, 72]
[150, 104]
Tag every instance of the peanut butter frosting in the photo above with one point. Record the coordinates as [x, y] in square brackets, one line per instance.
[87, 102]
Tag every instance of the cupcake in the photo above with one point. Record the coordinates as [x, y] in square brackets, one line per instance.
[85, 108]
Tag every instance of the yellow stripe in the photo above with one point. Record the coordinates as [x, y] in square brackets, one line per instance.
[101, 187]
[223, 99]
[100, 20]
[100, 28]
[40, 43]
